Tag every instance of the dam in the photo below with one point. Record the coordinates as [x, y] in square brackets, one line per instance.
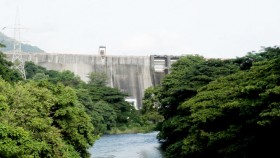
[130, 74]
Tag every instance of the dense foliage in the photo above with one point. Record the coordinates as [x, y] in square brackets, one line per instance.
[45, 119]
[236, 116]
[55, 114]
[221, 108]
[113, 110]
[37, 73]
[106, 106]
[188, 75]
[151, 104]
[6, 72]
[204, 108]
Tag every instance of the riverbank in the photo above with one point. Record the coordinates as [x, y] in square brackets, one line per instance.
[132, 129]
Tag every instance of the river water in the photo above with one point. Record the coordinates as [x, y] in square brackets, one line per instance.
[127, 146]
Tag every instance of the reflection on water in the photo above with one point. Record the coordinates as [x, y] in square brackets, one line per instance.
[127, 146]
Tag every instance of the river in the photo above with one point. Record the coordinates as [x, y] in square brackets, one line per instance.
[127, 146]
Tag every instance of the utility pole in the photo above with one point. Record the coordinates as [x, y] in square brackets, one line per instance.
[17, 53]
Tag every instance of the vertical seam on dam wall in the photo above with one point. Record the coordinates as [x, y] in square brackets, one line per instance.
[132, 74]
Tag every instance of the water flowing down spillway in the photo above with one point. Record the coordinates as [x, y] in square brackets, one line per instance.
[127, 146]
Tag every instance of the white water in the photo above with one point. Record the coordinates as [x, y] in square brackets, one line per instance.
[127, 146]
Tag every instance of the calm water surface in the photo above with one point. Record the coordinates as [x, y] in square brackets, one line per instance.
[127, 146]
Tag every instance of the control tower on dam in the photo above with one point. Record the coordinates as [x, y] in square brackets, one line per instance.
[130, 74]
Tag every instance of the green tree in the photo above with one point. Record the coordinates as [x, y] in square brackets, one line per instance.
[66, 77]
[266, 53]
[98, 79]
[151, 104]
[70, 117]
[104, 117]
[96, 94]
[40, 76]
[235, 116]
[188, 75]
[6, 72]
[31, 69]
[218, 111]
[126, 113]
[17, 142]
[52, 121]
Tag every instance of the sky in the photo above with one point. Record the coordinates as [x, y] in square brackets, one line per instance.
[211, 28]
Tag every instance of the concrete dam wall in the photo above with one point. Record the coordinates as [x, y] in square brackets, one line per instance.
[130, 74]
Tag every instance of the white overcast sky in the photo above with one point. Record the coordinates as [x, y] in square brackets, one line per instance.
[212, 28]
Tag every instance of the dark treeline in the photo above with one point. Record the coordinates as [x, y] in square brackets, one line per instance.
[55, 114]
[220, 108]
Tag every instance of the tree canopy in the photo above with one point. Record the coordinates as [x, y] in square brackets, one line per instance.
[56, 114]
[236, 116]
[221, 108]
[6, 72]
[52, 122]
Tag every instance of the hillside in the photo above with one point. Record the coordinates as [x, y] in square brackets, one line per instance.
[8, 42]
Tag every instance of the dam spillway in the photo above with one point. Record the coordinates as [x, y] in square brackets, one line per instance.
[130, 74]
